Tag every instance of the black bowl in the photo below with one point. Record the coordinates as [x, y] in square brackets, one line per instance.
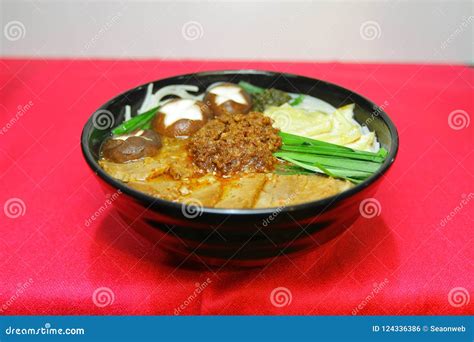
[240, 236]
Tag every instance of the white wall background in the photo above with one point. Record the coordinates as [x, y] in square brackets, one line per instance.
[401, 31]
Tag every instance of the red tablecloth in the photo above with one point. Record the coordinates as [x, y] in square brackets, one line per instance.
[415, 258]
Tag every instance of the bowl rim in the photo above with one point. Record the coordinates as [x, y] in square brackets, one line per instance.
[152, 202]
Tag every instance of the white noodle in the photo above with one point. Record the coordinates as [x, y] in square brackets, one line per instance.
[153, 100]
[128, 113]
[180, 90]
[148, 98]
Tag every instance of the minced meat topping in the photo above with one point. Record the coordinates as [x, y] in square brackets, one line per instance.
[235, 143]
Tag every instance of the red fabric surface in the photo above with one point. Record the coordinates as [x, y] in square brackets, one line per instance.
[410, 251]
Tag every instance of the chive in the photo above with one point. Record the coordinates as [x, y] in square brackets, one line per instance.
[250, 88]
[326, 171]
[302, 165]
[291, 169]
[137, 122]
[334, 153]
[293, 139]
[318, 144]
[297, 100]
[353, 176]
[344, 173]
[318, 148]
[345, 163]
[331, 159]
[316, 168]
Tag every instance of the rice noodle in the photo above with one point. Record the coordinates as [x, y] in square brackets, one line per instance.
[128, 113]
[153, 100]
[311, 103]
[146, 102]
[180, 90]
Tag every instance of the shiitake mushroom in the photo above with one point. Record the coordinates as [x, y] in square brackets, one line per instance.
[138, 144]
[180, 118]
[228, 98]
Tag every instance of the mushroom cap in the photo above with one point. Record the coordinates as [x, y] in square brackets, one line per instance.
[228, 98]
[181, 118]
[138, 144]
